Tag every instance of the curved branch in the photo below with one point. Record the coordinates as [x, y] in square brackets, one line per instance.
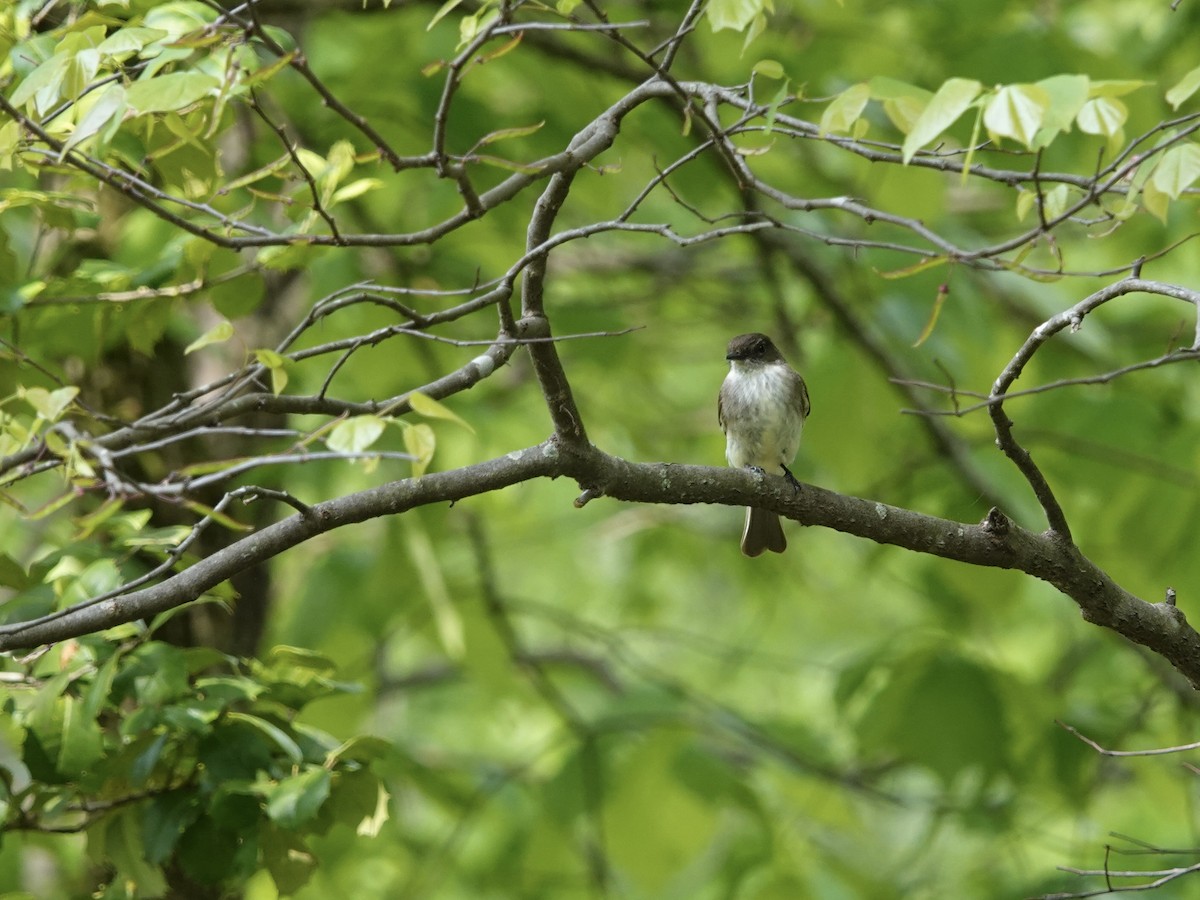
[995, 542]
[1073, 318]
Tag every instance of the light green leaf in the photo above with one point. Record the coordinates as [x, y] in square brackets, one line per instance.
[420, 442]
[1067, 95]
[1102, 115]
[219, 333]
[845, 109]
[1184, 88]
[129, 40]
[1155, 201]
[444, 10]
[82, 742]
[769, 68]
[269, 358]
[42, 84]
[1017, 111]
[506, 133]
[1025, 201]
[276, 365]
[109, 105]
[355, 189]
[1177, 170]
[1054, 201]
[884, 88]
[50, 405]
[425, 405]
[371, 825]
[355, 434]
[1115, 88]
[80, 71]
[174, 91]
[735, 14]
[951, 101]
[757, 27]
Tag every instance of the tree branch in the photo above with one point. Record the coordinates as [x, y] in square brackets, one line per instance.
[995, 542]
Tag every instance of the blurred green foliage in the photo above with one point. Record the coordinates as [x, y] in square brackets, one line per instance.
[562, 702]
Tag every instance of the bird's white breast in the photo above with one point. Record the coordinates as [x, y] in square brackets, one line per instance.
[762, 418]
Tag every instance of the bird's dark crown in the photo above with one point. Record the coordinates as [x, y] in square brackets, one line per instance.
[753, 346]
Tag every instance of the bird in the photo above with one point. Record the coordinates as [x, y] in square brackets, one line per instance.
[761, 407]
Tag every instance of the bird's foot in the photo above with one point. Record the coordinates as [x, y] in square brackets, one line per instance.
[757, 470]
[787, 473]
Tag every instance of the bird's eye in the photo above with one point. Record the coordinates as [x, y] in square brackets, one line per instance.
[760, 347]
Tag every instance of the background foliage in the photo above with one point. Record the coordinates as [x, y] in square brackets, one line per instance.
[508, 696]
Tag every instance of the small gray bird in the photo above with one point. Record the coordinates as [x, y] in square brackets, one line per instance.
[761, 408]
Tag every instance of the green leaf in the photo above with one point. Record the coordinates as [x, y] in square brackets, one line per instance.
[506, 133]
[50, 405]
[1115, 88]
[1184, 88]
[1067, 95]
[276, 365]
[1017, 111]
[844, 110]
[884, 88]
[1054, 201]
[444, 10]
[125, 850]
[284, 656]
[174, 91]
[425, 405]
[1155, 201]
[1025, 202]
[951, 101]
[145, 762]
[355, 434]
[1102, 115]
[211, 854]
[1177, 170]
[287, 859]
[355, 189]
[360, 748]
[79, 72]
[938, 301]
[273, 733]
[42, 85]
[294, 801]
[82, 740]
[735, 14]
[219, 333]
[769, 68]
[107, 108]
[157, 674]
[420, 442]
[129, 40]
[164, 819]
[13, 574]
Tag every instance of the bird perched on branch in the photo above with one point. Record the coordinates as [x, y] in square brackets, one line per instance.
[762, 407]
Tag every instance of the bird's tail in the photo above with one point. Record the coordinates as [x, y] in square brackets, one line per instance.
[762, 532]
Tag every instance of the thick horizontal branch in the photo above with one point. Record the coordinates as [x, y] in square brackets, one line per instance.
[995, 542]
